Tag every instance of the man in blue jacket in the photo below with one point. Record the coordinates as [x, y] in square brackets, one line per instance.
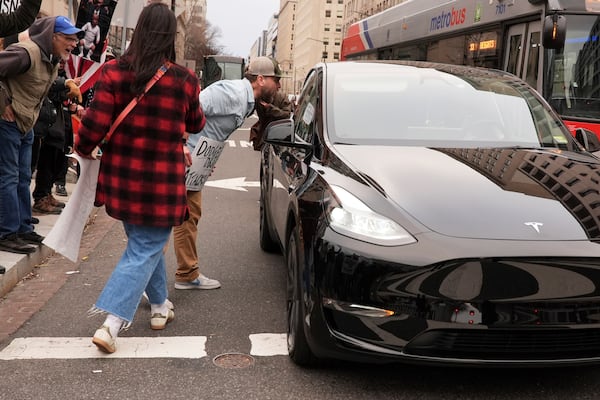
[226, 105]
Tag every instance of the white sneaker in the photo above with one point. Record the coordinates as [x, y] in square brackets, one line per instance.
[104, 340]
[202, 282]
[159, 321]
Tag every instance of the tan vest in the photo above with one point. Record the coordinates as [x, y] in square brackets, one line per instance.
[29, 88]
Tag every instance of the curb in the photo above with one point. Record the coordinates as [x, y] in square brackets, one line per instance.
[33, 280]
[22, 268]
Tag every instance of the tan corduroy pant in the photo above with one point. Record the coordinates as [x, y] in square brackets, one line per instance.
[184, 237]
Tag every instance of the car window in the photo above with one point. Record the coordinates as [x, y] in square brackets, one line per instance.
[307, 109]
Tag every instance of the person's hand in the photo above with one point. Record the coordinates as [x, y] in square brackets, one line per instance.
[8, 114]
[92, 156]
[80, 111]
[74, 93]
[187, 156]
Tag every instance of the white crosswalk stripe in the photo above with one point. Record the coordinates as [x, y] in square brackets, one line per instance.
[37, 348]
[268, 344]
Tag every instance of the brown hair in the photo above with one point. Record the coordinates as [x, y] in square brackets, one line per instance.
[152, 44]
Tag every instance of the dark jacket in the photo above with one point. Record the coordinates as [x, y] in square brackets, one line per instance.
[20, 19]
[51, 124]
[280, 108]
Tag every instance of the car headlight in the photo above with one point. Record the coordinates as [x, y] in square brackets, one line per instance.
[353, 218]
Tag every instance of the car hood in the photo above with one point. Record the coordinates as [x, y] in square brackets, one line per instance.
[512, 194]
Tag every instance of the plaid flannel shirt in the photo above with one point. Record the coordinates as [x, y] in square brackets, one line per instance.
[141, 178]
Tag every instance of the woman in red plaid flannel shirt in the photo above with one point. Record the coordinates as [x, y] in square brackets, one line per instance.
[141, 180]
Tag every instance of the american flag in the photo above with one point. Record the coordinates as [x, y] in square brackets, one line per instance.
[88, 70]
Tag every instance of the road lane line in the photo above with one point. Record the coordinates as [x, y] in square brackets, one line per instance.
[82, 347]
[268, 344]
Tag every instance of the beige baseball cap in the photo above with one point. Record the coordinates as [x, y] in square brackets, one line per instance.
[265, 66]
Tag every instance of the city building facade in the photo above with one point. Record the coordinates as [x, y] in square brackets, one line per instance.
[310, 31]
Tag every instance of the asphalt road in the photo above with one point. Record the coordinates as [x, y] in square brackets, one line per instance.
[251, 301]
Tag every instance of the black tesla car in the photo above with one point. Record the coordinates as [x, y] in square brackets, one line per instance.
[432, 213]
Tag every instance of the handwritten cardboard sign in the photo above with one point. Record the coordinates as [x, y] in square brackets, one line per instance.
[204, 157]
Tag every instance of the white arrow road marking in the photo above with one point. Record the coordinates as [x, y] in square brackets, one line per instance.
[233, 184]
[38, 348]
[268, 344]
[127, 347]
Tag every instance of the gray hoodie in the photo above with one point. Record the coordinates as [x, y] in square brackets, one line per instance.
[27, 69]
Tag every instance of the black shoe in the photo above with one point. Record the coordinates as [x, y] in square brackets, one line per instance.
[31, 237]
[13, 244]
[61, 190]
[34, 220]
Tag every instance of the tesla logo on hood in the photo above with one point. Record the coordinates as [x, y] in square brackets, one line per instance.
[535, 225]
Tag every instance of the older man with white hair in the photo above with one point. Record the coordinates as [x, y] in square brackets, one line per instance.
[27, 70]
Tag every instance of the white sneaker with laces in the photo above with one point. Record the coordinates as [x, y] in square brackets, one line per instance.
[202, 282]
[159, 321]
[104, 340]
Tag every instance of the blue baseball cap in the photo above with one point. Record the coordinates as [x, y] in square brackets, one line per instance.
[64, 25]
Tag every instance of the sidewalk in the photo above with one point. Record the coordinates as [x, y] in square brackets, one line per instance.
[18, 266]
[31, 280]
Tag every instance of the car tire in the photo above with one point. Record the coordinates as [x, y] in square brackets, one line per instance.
[298, 348]
[266, 241]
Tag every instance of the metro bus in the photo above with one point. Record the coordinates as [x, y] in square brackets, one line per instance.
[554, 45]
[217, 67]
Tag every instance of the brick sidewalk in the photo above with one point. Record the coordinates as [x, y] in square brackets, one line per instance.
[46, 278]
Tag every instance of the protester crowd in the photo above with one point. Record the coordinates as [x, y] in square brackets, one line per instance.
[37, 102]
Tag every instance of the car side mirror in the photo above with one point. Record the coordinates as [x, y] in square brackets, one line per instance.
[280, 132]
[554, 31]
[587, 139]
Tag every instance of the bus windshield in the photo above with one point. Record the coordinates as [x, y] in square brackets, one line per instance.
[573, 83]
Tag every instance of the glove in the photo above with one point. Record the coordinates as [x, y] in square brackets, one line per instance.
[74, 93]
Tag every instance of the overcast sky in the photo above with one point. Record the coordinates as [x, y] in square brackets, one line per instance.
[241, 22]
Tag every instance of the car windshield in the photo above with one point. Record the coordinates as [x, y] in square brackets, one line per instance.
[425, 107]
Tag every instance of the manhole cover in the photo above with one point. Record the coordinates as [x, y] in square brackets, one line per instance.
[233, 360]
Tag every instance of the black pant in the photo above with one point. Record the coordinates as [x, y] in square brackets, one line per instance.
[35, 152]
[49, 167]
[61, 179]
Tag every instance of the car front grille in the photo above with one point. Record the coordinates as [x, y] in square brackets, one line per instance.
[500, 344]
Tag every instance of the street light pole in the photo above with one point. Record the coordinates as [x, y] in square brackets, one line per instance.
[324, 47]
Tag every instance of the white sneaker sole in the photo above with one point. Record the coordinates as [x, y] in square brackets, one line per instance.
[184, 286]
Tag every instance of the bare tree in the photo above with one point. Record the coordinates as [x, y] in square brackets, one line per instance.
[201, 40]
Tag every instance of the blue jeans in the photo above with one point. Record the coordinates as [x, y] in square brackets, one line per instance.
[141, 268]
[15, 179]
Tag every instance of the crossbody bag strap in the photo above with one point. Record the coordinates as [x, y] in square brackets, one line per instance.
[159, 73]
